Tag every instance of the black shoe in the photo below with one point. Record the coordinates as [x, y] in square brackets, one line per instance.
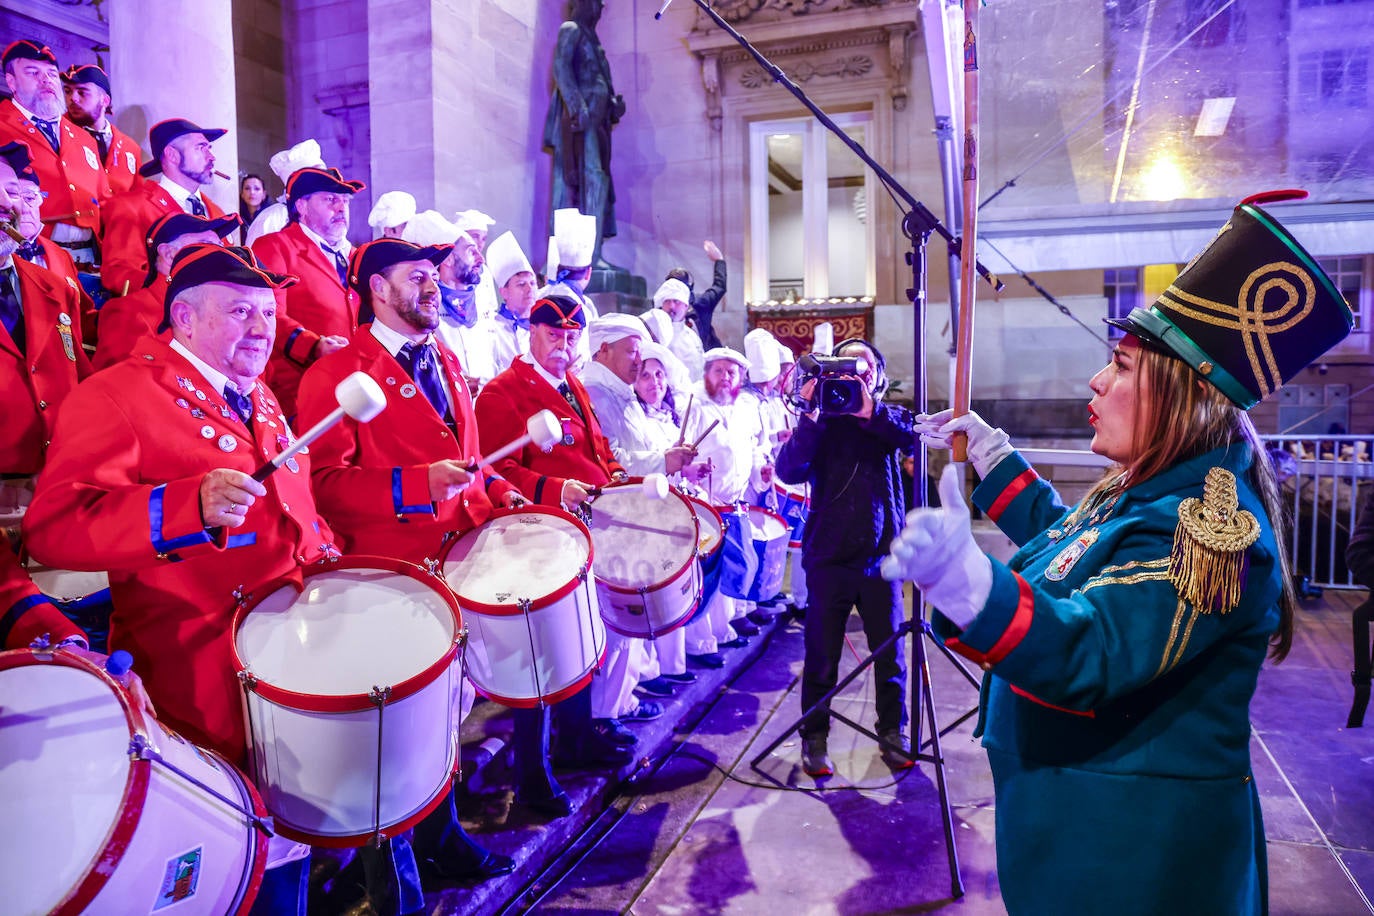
[610, 730]
[656, 687]
[550, 806]
[595, 753]
[685, 677]
[758, 616]
[816, 757]
[492, 865]
[708, 660]
[896, 750]
[647, 711]
[797, 612]
[743, 626]
[739, 642]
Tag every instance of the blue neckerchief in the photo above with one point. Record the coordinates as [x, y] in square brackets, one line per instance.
[459, 305]
[510, 316]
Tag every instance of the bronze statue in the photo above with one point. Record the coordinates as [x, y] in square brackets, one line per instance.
[578, 129]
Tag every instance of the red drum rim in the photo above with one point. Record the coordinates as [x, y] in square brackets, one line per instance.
[557, 696]
[513, 609]
[353, 702]
[121, 834]
[766, 511]
[699, 502]
[354, 840]
[676, 573]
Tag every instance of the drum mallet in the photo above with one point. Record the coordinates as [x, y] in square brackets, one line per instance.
[543, 429]
[652, 486]
[358, 395]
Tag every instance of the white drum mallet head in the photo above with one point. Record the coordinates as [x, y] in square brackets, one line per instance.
[360, 397]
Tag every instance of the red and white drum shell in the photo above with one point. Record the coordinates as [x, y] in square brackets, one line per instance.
[94, 829]
[535, 632]
[648, 577]
[771, 534]
[349, 684]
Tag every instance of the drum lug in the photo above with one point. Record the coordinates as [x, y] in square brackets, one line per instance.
[248, 679]
[42, 647]
[431, 564]
[461, 639]
[379, 695]
[240, 598]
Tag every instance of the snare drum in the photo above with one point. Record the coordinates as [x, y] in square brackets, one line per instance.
[710, 538]
[107, 811]
[348, 683]
[648, 576]
[522, 579]
[770, 543]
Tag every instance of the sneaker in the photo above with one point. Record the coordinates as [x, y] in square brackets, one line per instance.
[647, 711]
[743, 626]
[896, 750]
[816, 757]
[656, 687]
[685, 677]
[613, 732]
[708, 660]
[739, 642]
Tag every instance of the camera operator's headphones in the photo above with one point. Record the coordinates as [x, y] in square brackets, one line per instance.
[880, 378]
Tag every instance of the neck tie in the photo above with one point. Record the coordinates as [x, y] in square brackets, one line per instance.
[568, 396]
[48, 129]
[510, 316]
[30, 251]
[422, 363]
[340, 263]
[197, 206]
[239, 403]
[11, 314]
[102, 140]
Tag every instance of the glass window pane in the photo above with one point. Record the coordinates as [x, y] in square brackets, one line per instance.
[785, 249]
[847, 215]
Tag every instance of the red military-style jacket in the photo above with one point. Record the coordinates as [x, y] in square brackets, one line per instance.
[128, 216]
[316, 307]
[33, 384]
[125, 320]
[503, 408]
[122, 160]
[57, 260]
[372, 479]
[121, 493]
[73, 176]
[25, 612]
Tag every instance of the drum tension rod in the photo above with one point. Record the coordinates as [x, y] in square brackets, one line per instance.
[379, 697]
[524, 605]
[141, 749]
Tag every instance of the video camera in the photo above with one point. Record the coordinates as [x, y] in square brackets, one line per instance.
[838, 389]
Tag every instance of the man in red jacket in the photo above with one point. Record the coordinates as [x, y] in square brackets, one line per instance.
[182, 164]
[395, 486]
[318, 316]
[126, 319]
[41, 359]
[88, 105]
[65, 157]
[37, 249]
[150, 478]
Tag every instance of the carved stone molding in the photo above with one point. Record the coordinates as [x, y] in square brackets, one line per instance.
[742, 10]
[844, 67]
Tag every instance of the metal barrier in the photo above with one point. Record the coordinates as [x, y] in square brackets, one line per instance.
[1323, 478]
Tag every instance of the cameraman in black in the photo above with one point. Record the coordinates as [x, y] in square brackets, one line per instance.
[847, 448]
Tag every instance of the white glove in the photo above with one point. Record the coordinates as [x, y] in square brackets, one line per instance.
[936, 550]
[986, 445]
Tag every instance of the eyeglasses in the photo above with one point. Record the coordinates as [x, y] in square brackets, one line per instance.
[32, 197]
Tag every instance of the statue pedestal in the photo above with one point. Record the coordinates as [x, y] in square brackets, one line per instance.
[615, 289]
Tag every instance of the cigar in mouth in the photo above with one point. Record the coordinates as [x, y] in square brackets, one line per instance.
[219, 174]
[10, 226]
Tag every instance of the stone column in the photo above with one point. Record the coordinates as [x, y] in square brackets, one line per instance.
[174, 60]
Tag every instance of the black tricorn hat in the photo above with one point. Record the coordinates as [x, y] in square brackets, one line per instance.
[205, 263]
[375, 257]
[171, 226]
[560, 311]
[1250, 311]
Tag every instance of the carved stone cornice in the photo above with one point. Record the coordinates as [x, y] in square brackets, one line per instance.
[741, 10]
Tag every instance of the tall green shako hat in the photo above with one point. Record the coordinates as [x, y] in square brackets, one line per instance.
[1250, 311]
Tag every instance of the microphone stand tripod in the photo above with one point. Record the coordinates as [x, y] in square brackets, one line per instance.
[917, 225]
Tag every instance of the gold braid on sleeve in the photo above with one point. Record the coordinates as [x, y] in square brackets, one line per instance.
[1208, 564]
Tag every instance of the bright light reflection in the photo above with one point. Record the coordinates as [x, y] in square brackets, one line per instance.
[1163, 179]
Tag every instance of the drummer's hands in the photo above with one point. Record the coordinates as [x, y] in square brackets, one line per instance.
[447, 479]
[677, 458]
[513, 500]
[225, 497]
[575, 493]
[131, 682]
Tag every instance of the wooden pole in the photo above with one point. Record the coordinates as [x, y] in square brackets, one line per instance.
[968, 258]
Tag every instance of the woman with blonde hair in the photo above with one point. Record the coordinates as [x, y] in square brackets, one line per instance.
[1123, 641]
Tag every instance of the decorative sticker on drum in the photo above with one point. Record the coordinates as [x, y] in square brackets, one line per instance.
[179, 879]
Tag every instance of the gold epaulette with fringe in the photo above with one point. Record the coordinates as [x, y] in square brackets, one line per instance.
[1207, 565]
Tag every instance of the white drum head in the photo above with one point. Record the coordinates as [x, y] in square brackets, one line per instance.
[641, 542]
[708, 528]
[350, 630]
[521, 556]
[63, 768]
[767, 527]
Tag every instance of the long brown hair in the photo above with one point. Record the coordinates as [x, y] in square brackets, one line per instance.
[1178, 417]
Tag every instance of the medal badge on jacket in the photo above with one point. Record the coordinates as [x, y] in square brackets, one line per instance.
[64, 327]
[1064, 561]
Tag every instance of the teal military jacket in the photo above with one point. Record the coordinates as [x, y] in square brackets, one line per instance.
[1115, 713]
